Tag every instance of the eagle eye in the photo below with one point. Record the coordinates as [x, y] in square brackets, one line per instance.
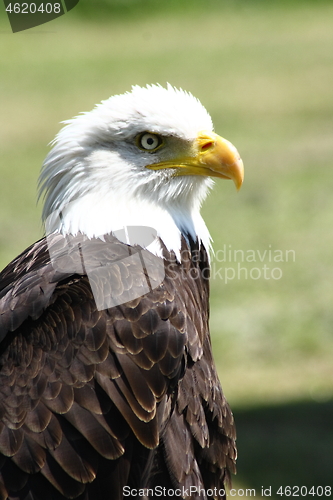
[149, 142]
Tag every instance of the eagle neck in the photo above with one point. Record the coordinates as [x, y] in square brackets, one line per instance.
[95, 218]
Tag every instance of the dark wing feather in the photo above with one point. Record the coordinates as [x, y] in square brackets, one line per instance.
[96, 398]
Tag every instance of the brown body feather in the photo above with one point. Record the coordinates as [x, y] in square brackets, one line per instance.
[93, 400]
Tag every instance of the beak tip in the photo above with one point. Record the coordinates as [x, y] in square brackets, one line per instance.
[239, 177]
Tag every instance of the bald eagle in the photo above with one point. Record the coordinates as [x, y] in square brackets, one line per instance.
[107, 381]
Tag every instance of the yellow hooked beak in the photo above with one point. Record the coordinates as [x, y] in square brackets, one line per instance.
[213, 157]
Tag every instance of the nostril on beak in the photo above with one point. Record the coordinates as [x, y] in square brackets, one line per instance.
[207, 145]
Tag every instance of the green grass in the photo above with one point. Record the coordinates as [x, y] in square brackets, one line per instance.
[264, 70]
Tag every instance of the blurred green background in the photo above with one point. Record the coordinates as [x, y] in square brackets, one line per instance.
[264, 70]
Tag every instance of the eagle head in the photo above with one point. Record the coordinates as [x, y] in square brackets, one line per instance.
[143, 158]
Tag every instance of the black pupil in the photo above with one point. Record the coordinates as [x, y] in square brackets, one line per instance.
[150, 141]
